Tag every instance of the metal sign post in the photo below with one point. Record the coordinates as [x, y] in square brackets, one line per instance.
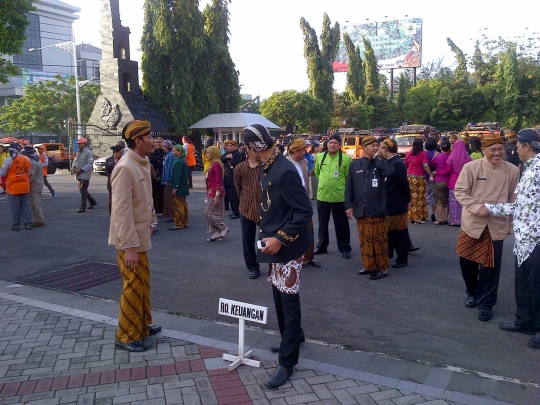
[244, 312]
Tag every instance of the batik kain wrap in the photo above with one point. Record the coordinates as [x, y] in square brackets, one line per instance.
[397, 222]
[309, 256]
[418, 209]
[441, 194]
[373, 234]
[478, 250]
[286, 276]
[167, 203]
[135, 315]
[214, 215]
[180, 210]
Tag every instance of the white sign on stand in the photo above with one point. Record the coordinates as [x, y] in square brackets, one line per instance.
[244, 312]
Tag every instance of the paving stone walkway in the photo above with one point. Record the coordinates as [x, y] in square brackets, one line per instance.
[49, 357]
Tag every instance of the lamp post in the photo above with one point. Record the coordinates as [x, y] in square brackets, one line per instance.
[70, 47]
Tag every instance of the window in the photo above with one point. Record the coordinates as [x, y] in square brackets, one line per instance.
[30, 60]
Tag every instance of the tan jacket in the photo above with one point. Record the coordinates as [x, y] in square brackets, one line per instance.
[304, 164]
[481, 182]
[132, 209]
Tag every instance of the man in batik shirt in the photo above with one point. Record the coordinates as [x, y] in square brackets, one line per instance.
[526, 214]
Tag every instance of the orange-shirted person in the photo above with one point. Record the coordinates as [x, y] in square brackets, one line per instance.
[16, 168]
[44, 159]
[191, 160]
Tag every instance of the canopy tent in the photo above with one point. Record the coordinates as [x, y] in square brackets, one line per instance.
[230, 125]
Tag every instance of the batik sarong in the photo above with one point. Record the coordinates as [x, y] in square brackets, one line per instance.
[430, 196]
[373, 235]
[214, 215]
[286, 276]
[441, 194]
[308, 256]
[135, 315]
[477, 250]
[180, 210]
[398, 222]
[418, 209]
[167, 202]
[454, 212]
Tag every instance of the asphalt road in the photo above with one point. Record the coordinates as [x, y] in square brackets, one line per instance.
[416, 313]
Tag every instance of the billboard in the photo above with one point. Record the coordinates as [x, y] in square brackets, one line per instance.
[31, 76]
[397, 43]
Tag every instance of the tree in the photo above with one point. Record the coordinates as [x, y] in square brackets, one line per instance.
[371, 68]
[290, 108]
[320, 60]
[45, 105]
[461, 70]
[13, 23]
[353, 113]
[405, 83]
[177, 78]
[356, 80]
[506, 86]
[224, 73]
[420, 102]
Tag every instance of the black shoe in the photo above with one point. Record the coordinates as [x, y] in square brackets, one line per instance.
[363, 272]
[413, 248]
[397, 265]
[15, 228]
[433, 218]
[153, 329]
[234, 217]
[512, 327]
[254, 274]
[274, 349]
[91, 206]
[314, 263]
[484, 315]
[346, 255]
[82, 209]
[319, 251]
[280, 376]
[155, 231]
[470, 302]
[534, 343]
[131, 347]
[377, 275]
[28, 227]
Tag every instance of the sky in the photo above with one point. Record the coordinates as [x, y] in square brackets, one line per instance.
[267, 46]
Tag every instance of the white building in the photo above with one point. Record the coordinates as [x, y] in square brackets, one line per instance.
[88, 57]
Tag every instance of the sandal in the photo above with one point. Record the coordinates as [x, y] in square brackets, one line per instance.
[215, 236]
[224, 233]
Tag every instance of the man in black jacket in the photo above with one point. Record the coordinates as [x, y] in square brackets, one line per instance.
[285, 212]
[231, 158]
[365, 198]
[398, 197]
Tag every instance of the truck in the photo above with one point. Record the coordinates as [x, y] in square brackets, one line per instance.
[351, 141]
[58, 156]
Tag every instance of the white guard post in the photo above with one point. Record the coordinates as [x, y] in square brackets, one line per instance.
[244, 312]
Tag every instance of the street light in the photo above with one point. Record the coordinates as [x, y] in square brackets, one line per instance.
[70, 47]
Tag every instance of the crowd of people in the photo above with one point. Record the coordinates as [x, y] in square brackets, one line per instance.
[476, 184]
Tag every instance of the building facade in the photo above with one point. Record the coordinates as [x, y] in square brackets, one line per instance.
[88, 57]
[50, 24]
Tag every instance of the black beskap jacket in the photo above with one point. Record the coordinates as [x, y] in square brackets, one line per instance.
[285, 210]
[398, 191]
[365, 190]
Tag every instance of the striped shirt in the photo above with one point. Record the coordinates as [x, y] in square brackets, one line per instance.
[247, 183]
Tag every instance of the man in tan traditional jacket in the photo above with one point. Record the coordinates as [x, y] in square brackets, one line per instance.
[296, 154]
[133, 221]
[480, 242]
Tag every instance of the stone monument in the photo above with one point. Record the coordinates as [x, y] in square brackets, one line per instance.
[120, 100]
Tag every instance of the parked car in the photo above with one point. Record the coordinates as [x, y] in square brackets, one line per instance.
[99, 165]
[57, 153]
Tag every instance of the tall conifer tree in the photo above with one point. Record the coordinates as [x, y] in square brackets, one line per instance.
[373, 83]
[356, 80]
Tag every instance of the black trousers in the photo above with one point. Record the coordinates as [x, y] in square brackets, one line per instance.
[528, 290]
[483, 282]
[289, 318]
[48, 185]
[249, 237]
[399, 241]
[234, 201]
[85, 195]
[190, 176]
[157, 196]
[341, 225]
